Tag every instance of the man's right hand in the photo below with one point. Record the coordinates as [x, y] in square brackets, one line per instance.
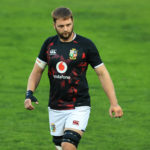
[29, 99]
[28, 104]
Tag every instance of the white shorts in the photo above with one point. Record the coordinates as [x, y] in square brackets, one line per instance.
[60, 119]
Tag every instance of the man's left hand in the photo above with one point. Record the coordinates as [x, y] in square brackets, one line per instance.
[117, 110]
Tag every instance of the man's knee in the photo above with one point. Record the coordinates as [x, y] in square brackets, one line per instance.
[71, 138]
[68, 146]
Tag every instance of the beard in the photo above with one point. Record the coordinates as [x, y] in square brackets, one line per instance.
[65, 35]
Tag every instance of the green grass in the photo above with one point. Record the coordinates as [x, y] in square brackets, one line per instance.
[120, 29]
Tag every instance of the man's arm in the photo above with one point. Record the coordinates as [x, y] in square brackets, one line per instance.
[33, 82]
[108, 87]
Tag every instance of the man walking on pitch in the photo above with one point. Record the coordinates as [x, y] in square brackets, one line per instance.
[67, 56]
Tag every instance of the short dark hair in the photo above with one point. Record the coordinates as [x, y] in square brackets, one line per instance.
[61, 12]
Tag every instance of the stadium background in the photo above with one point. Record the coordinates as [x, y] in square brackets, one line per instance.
[121, 31]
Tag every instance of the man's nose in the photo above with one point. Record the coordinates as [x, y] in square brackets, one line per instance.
[65, 28]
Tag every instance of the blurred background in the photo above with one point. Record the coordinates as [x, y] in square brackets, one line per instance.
[121, 32]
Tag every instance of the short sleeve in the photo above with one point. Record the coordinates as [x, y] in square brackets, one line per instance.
[94, 58]
[42, 55]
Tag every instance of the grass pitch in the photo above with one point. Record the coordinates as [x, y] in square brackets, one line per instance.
[120, 29]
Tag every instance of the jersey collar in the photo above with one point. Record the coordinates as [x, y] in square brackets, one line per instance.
[74, 36]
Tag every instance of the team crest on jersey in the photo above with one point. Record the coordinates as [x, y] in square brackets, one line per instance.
[53, 127]
[73, 54]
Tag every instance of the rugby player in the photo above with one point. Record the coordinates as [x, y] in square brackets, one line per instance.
[67, 56]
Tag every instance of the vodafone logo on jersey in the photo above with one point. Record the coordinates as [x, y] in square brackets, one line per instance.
[61, 67]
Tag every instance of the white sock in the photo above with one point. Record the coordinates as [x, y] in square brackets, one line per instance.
[58, 147]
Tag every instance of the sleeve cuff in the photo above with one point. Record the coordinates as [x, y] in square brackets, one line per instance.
[42, 64]
[98, 65]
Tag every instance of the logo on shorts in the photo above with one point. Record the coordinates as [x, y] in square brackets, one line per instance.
[53, 127]
[73, 54]
[75, 122]
[61, 67]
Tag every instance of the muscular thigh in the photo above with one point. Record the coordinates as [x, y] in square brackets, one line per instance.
[78, 119]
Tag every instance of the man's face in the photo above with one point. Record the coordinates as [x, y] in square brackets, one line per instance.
[64, 28]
